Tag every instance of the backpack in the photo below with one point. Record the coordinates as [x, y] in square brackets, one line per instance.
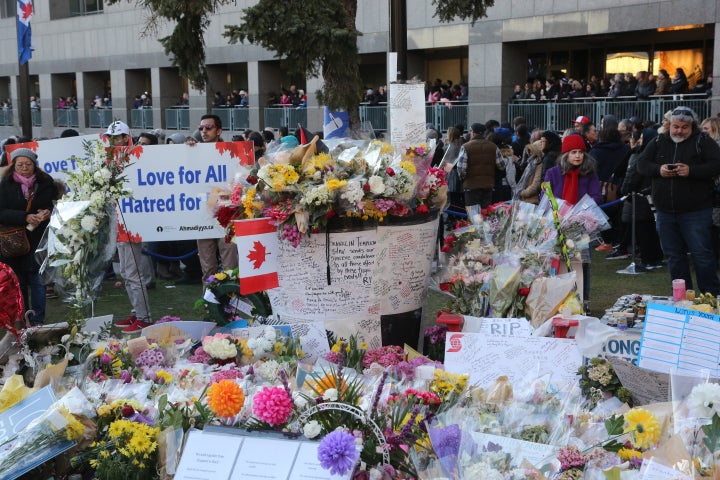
[11, 300]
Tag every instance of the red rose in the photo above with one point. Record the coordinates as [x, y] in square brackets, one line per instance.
[523, 291]
[127, 411]
[330, 214]
[422, 209]
[390, 172]
[446, 248]
[366, 187]
[445, 286]
[449, 239]
[252, 179]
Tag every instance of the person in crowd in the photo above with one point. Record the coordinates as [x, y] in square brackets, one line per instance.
[645, 87]
[663, 82]
[608, 153]
[147, 138]
[522, 138]
[285, 100]
[137, 102]
[69, 132]
[476, 167]
[711, 127]
[258, 144]
[287, 140]
[268, 135]
[618, 86]
[62, 103]
[579, 122]
[518, 93]
[528, 187]
[577, 91]
[589, 133]
[218, 100]
[184, 100]
[682, 164]
[505, 180]
[603, 89]
[703, 87]
[209, 249]
[454, 142]
[551, 145]
[130, 253]
[27, 197]
[176, 138]
[243, 101]
[679, 82]
[637, 185]
[574, 177]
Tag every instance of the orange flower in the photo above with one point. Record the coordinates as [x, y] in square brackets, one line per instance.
[225, 398]
[328, 382]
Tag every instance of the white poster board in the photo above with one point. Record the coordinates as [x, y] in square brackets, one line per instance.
[407, 114]
[57, 156]
[485, 358]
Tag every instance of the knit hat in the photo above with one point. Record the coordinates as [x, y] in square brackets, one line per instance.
[24, 152]
[573, 142]
[176, 138]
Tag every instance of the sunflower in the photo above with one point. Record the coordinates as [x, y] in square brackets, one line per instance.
[225, 398]
[644, 426]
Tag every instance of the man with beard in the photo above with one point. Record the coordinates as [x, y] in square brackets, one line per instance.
[682, 164]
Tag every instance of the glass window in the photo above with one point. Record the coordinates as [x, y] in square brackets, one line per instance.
[8, 8]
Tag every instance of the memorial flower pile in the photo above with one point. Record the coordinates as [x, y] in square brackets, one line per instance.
[303, 188]
[81, 234]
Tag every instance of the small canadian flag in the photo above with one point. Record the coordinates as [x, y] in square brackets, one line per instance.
[258, 248]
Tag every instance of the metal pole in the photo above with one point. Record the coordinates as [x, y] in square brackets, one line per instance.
[398, 36]
[24, 119]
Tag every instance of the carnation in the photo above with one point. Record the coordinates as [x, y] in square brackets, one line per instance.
[312, 429]
[88, 223]
[704, 400]
[268, 370]
[331, 394]
[272, 405]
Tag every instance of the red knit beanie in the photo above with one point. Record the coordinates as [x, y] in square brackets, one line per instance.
[573, 142]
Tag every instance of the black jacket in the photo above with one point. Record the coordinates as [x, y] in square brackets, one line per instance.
[12, 212]
[608, 156]
[682, 194]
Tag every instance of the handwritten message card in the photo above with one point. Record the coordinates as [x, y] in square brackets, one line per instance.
[485, 358]
[513, 327]
[407, 113]
[680, 340]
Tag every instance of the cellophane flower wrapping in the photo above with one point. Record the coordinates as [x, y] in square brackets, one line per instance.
[582, 223]
[53, 432]
[81, 236]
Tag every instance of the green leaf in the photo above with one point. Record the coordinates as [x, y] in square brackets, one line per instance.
[712, 434]
[615, 425]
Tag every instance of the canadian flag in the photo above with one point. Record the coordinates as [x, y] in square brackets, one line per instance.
[258, 248]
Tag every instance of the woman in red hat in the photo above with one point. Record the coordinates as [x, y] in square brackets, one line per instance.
[573, 177]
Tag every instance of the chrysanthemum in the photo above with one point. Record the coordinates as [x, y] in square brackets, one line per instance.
[272, 405]
[337, 452]
[644, 426]
[226, 398]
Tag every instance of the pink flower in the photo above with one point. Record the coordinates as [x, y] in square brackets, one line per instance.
[272, 405]
[390, 172]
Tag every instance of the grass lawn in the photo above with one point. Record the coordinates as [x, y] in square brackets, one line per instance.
[168, 299]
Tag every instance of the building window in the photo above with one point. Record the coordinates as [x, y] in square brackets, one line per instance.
[85, 7]
[8, 8]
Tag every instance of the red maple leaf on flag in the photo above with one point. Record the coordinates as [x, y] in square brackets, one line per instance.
[257, 255]
[27, 10]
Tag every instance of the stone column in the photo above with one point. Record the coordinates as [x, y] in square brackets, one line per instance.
[315, 111]
[47, 121]
[157, 97]
[119, 96]
[255, 98]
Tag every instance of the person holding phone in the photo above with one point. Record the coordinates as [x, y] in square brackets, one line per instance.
[682, 164]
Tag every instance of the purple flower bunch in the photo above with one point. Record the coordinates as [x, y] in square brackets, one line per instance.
[230, 374]
[408, 368]
[436, 333]
[387, 356]
[571, 457]
[200, 356]
[152, 357]
[168, 318]
[337, 452]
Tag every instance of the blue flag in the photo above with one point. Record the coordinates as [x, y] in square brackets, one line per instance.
[24, 33]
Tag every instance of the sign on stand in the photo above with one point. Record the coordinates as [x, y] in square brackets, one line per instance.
[407, 114]
[219, 456]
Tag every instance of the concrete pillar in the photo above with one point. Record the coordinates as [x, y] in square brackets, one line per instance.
[484, 82]
[198, 106]
[82, 100]
[119, 95]
[157, 97]
[255, 98]
[715, 103]
[15, 96]
[46, 107]
[315, 111]
[514, 71]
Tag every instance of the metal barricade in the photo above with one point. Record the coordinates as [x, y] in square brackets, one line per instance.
[67, 117]
[225, 116]
[240, 118]
[296, 116]
[141, 118]
[374, 115]
[534, 113]
[99, 117]
[275, 117]
[36, 117]
[449, 114]
[6, 116]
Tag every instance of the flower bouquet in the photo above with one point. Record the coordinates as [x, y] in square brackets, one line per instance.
[224, 304]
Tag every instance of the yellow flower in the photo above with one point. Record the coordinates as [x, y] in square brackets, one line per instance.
[335, 348]
[334, 184]
[409, 167]
[364, 346]
[385, 148]
[248, 202]
[165, 376]
[627, 454]
[104, 410]
[644, 426]
[220, 276]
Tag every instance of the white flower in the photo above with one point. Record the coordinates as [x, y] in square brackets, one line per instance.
[300, 400]
[704, 400]
[268, 371]
[331, 395]
[88, 223]
[352, 192]
[65, 338]
[312, 429]
[270, 333]
[220, 348]
[377, 186]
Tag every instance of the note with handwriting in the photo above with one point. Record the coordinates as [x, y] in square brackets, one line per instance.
[513, 327]
[536, 453]
[208, 456]
[313, 339]
[485, 358]
[406, 102]
[365, 327]
[645, 386]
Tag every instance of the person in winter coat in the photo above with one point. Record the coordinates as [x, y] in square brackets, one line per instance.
[682, 165]
[551, 146]
[26, 199]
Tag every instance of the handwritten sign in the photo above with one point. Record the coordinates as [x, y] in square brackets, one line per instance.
[485, 358]
[402, 266]
[644, 385]
[407, 114]
[679, 340]
[303, 275]
[208, 456]
[513, 327]
[535, 453]
[313, 339]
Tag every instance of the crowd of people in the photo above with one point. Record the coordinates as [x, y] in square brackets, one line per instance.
[668, 171]
[641, 86]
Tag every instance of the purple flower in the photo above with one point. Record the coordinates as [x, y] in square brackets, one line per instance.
[337, 452]
[445, 440]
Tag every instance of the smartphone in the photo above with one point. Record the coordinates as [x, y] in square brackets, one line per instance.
[671, 166]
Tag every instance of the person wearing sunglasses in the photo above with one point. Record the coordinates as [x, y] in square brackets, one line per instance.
[209, 249]
[682, 164]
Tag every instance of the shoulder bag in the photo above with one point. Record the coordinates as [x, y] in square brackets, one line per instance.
[13, 238]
